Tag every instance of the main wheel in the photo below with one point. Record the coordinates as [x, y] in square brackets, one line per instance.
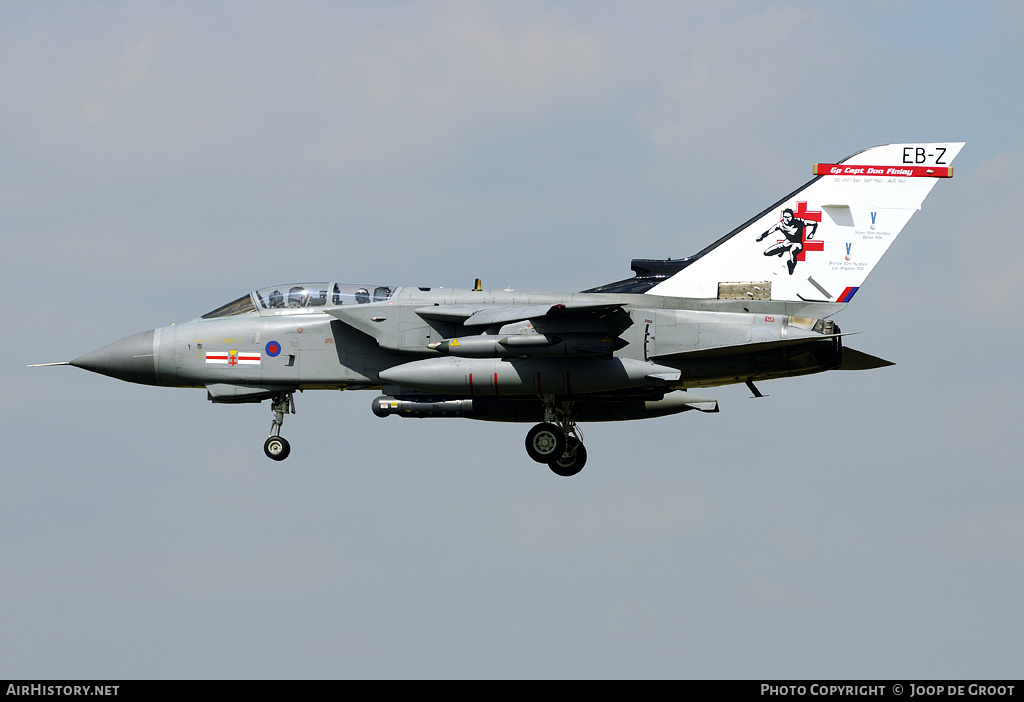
[544, 442]
[277, 447]
[572, 461]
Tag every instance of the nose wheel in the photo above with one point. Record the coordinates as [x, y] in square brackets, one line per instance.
[276, 446]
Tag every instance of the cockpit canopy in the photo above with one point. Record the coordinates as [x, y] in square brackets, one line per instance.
[302, 296]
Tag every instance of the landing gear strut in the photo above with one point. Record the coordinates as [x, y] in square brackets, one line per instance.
[276, 446]
[557, 441]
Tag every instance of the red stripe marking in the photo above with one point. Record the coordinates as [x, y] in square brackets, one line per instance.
[837, 169]
[470, 383]
[847, 294]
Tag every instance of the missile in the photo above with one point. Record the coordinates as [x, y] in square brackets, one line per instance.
[492, 346]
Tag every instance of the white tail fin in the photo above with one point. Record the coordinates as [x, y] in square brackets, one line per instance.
[820, 243]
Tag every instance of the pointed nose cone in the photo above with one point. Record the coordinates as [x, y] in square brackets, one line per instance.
[132, 359]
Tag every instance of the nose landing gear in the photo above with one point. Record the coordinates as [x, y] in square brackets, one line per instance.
[276, 446]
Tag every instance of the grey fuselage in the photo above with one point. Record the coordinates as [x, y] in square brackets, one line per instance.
[262, 346]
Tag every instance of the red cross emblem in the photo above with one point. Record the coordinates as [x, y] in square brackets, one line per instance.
[232, 358]
[801, 212]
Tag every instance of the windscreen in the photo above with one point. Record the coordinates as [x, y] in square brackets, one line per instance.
[235, 307]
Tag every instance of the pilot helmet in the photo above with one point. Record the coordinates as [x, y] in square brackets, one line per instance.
[298, 296]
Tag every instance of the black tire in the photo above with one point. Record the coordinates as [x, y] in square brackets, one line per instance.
[545, 441]
[572, 461]
[277, 448]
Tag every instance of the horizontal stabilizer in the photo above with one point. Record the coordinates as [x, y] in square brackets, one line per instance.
[743, 349]
[858, 360]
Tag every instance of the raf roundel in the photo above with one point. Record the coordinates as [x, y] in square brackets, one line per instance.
[273, 349]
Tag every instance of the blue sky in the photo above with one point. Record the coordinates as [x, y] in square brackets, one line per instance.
[160, 159]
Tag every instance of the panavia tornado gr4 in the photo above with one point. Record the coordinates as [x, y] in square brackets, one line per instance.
[753, 306]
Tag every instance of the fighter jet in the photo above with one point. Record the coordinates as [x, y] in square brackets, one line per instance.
[754, 305]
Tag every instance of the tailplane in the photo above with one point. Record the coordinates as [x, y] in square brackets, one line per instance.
[819, 243]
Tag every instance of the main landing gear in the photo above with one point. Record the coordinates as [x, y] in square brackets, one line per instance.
[276, 446]
[557, 441]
